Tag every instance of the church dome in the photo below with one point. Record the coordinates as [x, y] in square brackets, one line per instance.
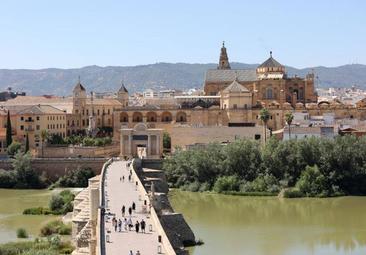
[270, 68]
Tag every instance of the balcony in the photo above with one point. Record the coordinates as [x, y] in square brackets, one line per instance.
[29, 129]
[29, 120]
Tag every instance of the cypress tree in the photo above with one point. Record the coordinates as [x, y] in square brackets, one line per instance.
[27, 144]
[9, 138]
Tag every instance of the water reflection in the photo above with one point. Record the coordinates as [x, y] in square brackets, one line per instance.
[268, 225]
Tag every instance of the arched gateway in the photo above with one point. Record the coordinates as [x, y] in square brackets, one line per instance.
[141, 141]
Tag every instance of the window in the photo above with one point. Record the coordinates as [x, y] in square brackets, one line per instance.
[22, 118]
[37, 117]
[38, 127]
[257, 136]
[98, 112]
[235, 106]
[269, 93]
[21, 127]
[109, 111]
[245, 106]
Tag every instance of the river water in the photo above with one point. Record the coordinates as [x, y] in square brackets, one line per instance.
[233, 225]
[12, 204]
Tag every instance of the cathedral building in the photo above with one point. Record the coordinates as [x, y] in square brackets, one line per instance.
[268, 83]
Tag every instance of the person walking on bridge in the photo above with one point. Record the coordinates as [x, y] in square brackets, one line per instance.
[129, 223]
[129, 211]
[123, 211]
[143, 225]
[133, 206]
[125, 224]
[119, 225]
[137, 226]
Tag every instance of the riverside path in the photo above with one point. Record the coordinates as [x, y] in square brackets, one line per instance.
[117, 194]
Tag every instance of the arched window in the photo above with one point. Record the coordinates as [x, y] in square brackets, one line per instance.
[269, 93]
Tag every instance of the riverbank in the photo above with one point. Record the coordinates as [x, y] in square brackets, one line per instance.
[312, 167]
[272, 226]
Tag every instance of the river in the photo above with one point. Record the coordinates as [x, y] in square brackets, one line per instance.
[12, 204]
[234, 225]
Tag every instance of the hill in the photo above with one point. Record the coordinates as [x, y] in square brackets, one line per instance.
[156, 76]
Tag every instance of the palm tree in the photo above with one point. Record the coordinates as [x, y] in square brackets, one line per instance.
[264, 116]
[289, 117]
[44, 137]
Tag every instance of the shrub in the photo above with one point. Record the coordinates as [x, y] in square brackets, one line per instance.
[312, 182]
[56, 203]
[7, 179]
[226, 183]
[13, 148]
[22, 233]
[37, 211]
[76, 178]
[204, 187]
[292, 193]
[55, 227]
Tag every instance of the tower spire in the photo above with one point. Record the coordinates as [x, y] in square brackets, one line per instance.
[224, 59]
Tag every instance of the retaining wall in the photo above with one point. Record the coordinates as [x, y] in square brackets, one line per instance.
[56, 167]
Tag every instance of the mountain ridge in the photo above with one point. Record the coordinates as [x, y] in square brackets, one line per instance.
[161, 75]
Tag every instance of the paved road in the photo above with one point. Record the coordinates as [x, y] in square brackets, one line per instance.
[119, 193]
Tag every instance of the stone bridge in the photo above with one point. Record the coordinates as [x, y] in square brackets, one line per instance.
[96, 206]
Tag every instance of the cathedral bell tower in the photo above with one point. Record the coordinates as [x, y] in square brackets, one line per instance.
[79, 97]
[224, 60]
[122, 95]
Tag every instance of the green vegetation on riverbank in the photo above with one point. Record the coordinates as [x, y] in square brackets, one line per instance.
[59, 204]
[56, 227]
[307, 167]
[53, 245]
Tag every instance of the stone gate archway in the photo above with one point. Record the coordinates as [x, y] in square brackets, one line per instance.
[133, 140]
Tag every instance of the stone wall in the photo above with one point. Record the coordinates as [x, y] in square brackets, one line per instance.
[78, 151]
[176, 228]
[185, 136]
[56, 167]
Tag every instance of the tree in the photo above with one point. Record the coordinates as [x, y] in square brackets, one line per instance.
[312, 182]
[9, 138]
[289, 117]
[264, 117]
[166, 141]
[25, 176]
[44, 137]
[27, 143]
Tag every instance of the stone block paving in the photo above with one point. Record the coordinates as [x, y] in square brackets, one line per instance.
[117, 194]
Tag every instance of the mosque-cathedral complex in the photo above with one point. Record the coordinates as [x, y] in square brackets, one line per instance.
[228, 108]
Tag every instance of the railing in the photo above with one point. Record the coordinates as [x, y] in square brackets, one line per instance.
[101, 211]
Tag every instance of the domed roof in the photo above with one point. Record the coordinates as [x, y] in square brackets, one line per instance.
[270, 62]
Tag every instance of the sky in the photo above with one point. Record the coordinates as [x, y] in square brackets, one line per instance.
[75, 33]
